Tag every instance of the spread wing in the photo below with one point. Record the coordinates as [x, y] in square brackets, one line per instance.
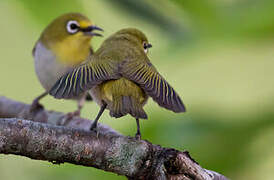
[145, 75]
[83, 78]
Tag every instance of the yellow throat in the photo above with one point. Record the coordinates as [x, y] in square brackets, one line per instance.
[71, 51]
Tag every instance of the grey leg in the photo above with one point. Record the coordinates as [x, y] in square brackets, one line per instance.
[138, 133]
[35, 103]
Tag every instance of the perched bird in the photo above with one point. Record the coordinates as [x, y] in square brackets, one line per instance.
[120, 78]
[62, 46]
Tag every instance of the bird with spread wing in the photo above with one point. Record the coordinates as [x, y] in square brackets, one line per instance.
[120, 77]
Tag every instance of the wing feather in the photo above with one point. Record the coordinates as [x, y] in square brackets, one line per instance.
[83, 78]
[145, 75]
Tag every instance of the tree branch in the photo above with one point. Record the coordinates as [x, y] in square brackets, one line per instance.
[44, 139]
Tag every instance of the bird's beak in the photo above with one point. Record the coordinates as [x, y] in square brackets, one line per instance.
[89, 30]
[149, 45]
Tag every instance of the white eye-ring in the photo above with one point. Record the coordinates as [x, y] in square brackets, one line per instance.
[72, 27]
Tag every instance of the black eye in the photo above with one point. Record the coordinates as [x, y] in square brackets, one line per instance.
[146, 46]
[72, 27]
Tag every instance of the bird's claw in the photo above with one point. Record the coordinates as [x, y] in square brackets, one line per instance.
[94, 128]
[138, 136]
[69, 116]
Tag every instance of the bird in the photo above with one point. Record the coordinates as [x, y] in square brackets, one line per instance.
[62, 46]
[120, 77]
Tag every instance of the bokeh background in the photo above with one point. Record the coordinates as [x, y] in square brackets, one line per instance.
[217, 54]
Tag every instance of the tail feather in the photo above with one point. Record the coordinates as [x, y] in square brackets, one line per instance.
[116, 110]
[127, 105]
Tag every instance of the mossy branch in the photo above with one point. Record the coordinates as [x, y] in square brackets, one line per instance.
[48, 137]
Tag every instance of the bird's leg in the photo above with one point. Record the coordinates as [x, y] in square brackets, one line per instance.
[138, 133]
[35, 103]
[93, 127]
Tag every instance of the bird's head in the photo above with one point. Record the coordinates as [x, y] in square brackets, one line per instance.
[73, 26]
[136, 36]
[68, 35]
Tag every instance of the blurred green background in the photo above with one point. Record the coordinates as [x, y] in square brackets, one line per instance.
[217, 54]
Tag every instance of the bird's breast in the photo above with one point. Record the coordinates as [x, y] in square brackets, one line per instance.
[47, 67]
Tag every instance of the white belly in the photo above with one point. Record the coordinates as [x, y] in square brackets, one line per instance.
[47, 68]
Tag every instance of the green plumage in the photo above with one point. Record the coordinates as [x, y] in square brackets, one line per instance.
[123, 97]
[120, 58]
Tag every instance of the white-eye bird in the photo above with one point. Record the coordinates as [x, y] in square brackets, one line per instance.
[120, 78]
[62, 46]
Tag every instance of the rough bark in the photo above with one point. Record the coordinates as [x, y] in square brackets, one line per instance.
[48, 136]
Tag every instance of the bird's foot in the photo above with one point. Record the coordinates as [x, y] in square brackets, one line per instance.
[94, 128]
[69, 116]
[36, 106]
[138, 136]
